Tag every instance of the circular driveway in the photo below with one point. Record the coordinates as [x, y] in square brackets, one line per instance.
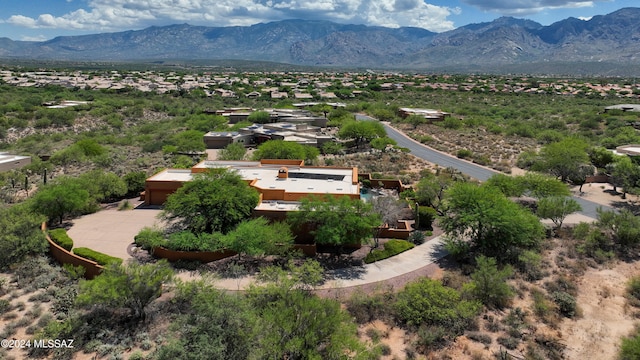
[111, 231]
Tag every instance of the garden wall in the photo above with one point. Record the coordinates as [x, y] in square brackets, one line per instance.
[91, 268]
[384, 183]
[402, 231]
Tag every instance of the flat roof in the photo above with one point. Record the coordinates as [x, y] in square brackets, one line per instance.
[6, 157]
[172, 175]
[273, 205]
[313, 180]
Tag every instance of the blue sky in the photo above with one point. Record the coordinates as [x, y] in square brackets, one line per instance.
[46, 19]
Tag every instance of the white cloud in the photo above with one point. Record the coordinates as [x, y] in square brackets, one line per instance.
[116, 15]
[585, 18]
[525, 7]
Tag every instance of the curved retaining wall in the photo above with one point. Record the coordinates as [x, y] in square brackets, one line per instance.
[91, 268]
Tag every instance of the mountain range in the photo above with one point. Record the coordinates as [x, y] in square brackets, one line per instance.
[604, 45]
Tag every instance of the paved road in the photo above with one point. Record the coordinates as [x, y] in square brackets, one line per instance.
[481, 173]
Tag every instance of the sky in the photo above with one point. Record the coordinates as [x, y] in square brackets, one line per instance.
[38, 20]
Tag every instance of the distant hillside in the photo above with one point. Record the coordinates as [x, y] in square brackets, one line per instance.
[604, 45]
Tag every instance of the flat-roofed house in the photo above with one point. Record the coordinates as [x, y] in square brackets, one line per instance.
[281, 183]
[10, 162]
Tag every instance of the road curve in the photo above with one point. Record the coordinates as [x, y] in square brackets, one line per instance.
[589, 208]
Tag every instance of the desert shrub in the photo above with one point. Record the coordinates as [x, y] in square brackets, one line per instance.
[489, 284]
[365, 307]
[188, 241]
[530, 265]
[479, 337]
[431, 338]
[464, 154]
[581, 230]
[630, 348]
[562, 283]
[391, 248]
[426, 216]
[417, 237]
[148, 238]
[5, 306]
[633, 291]
[428, 302]
[598, 246]
[60, 237]
[100, 258]
[508, 342]
[567, 305]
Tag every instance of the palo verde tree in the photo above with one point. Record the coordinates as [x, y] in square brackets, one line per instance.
[257, 237]
[64, 197]
[132, 286]
[280, 149]
[362, 132]
[557, 208]
[233, 151]
[486, 220]
[214, 201]
[336, 220]
[21, 235]
[564, 158]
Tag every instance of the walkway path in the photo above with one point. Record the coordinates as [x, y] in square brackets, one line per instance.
[111, 232]
[379, 271]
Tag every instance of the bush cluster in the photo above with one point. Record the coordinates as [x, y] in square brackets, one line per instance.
[391, 248]
[100, 258]
[60, 237]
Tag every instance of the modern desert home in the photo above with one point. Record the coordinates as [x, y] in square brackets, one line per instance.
[280, 183]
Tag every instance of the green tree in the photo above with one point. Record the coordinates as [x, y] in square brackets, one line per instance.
[381, 143]
[415, 120]
[625, 173]
[135, 182]
[431, 189]
[211, 325]
[601, 157]
[623, 227]
[336, 220]
[296, 324]
[563, 158]
[214, 201]
[489, 285]
[540, 185]
[63, 198]
[280, 149]
[132, 286]
[256, 237]
[189, 141]
[21, 235]
[492, 223]
[233, 151]
[557, 208]
[362, 131]
[260, 117]
[103, 186]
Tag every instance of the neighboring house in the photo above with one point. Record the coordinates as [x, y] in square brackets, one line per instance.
[10, 162]
[256, 134]
[623, 107]
[429, 114]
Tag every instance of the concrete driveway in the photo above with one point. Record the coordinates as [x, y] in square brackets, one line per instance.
[111, 231]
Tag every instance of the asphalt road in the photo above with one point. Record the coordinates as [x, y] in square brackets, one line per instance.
[481, 173]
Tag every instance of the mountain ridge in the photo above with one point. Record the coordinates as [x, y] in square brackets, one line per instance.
[612, 39]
